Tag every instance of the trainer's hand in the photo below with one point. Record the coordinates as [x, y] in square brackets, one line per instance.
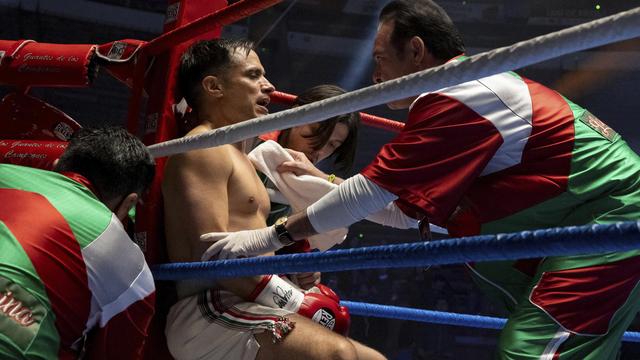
[300, 165]
[240, 244]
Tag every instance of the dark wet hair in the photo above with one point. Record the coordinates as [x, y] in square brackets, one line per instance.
[427, 20]
[114, 161]
[204, 58]
[346, 152]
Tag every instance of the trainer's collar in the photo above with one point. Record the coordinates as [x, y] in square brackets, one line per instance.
[80, 179]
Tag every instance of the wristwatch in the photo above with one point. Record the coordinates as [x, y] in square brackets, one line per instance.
[283, 234]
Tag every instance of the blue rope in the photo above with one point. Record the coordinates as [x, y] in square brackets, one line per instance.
[574, 240]
[440, 317]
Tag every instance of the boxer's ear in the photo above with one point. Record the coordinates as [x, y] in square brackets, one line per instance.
[212, 86]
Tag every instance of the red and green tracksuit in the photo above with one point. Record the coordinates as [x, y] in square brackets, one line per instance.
[71, 280]
[505, 154]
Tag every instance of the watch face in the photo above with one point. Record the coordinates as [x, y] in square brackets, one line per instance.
[281, 220]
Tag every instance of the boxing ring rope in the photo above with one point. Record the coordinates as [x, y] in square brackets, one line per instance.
[622, 26]
[572, 240]
[367, 119]
[440, 317]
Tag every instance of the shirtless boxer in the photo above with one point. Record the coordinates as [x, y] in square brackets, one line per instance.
[217, 189]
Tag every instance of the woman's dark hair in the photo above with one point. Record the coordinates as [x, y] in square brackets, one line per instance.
[427, 20]
[114, 161]
[203, 58]
[346, 152]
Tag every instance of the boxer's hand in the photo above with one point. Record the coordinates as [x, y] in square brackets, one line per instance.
[319, 304]
[240, 244]
[322, 305]
[305, 280]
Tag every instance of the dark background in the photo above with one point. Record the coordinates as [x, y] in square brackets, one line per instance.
[307, 42]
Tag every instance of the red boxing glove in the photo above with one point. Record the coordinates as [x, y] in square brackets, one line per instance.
[322, 305]
[319, 303]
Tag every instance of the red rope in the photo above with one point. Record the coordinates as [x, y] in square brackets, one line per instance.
[226, 16]
[381, 123]
[367, 119]
[279, 97]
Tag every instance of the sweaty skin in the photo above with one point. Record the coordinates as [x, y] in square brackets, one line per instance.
[236, 200]
[217, 189]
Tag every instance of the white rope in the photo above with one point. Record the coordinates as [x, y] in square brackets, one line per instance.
[617, 27]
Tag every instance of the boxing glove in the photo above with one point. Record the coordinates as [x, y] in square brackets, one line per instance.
[320, 303]
[301, 280]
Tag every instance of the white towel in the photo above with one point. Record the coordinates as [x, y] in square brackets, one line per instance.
[300, 191]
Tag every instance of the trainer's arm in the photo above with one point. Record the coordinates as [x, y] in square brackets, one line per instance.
[353, 200]
[350, 202]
